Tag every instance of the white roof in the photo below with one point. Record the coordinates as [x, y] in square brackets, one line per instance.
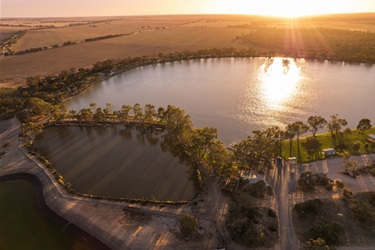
[328, 149]
[371, 136]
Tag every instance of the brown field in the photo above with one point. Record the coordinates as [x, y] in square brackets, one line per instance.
[17, 68]
[49, 37]
[160, 34]
[7, 32]
[55, 21]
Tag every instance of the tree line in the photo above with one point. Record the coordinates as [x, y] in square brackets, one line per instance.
[197, 146]
[317, 43]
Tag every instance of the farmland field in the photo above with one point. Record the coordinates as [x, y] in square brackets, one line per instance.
[153, 35]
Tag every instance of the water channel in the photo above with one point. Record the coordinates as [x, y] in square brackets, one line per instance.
[235, 95]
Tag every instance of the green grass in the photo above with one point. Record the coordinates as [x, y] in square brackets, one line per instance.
[328, 141]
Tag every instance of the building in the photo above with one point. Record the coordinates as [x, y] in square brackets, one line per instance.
[249, 176]
[329, 151]
[370, 138]
[292, 160]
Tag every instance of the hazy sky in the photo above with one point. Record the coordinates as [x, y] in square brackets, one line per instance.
[58, 8]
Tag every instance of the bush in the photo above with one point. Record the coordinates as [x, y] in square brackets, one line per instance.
[324, 231]
[258, 190]
[273, 227]
[271, 213]
[189, 225]
[309, 207]
[316, 244]
[347, 193]
[339, 184]
[362, 212]
[308, 181]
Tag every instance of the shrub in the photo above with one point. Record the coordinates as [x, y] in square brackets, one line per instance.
[339, 184]
[189, 225]
[347, 193]
[309, 206]
[362, 212]
[258, 190]
[273, 227]
[316, 244]
[341, 147]
[324, 231]
[271, 213]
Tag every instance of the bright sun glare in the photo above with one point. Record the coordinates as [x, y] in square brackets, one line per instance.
[279, 79]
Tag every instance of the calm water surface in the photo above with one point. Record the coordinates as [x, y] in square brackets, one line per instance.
[22, 226]
[235, 95]
[240, 95]
[116, 162]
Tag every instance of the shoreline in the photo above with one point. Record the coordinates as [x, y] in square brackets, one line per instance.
[47, 213]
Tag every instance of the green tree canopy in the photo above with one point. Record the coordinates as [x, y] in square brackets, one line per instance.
[364, 124]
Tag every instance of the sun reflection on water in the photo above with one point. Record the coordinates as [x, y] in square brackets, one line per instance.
[279, 79]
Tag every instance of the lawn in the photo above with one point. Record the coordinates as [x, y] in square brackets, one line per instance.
[328, 141]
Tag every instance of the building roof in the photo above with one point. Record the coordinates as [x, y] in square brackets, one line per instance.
[328, 150]
[371, 136]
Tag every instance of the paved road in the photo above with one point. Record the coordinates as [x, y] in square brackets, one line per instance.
[283, 179]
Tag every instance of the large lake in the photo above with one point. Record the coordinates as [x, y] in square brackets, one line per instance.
[235, 95]
[240, 95]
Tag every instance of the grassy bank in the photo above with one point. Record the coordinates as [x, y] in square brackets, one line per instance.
[342, 142]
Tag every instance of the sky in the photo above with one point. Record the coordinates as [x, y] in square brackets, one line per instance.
[285, 8]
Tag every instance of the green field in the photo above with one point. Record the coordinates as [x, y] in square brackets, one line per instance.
[328, 141]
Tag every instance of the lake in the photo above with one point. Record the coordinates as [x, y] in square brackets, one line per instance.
[235, 95]
[239, 95]
[116, 162]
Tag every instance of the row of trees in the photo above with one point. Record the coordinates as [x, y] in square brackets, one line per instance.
[259, 149]
[201, 146]
[316, 43]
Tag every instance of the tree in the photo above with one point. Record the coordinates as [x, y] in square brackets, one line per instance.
[123, 114]
[312, 146]
[202, 139]
[59, 112]
[189, 225]
[356, 146]
[160, 113]
[301, 128]
[99, 115]
[138, 113]
[335, 124]
[254, 153]
[218, 158]
[85, 114]
[316, 123]
[108, 109]
[93, 106]
[39, 107]
[276, 136]
[364, 124]
[31, 130]
[149, 112]
[297, 129]
[289, 135]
